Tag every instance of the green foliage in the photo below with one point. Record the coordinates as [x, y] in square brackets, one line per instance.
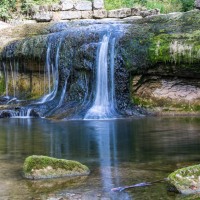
[39, 2]
[114, 4]
[165, 6]
[6, 7]
[27, 4]
[187, 5]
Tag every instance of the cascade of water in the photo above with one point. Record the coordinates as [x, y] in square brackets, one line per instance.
[22, 113]
[62, 95]
[10, 78]
[103, 106]
[112, 77]
[52, 70]
[6, 77]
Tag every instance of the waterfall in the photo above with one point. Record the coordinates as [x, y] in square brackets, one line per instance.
[103, 106]
[52, 71]
[71, 77]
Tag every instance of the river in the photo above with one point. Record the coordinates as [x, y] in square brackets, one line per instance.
[118, 152]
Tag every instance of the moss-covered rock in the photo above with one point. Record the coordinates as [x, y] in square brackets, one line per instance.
[40, 167]
[186, 180]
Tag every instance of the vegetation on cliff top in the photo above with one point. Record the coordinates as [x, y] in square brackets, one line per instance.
[165, 6]
[11, 8]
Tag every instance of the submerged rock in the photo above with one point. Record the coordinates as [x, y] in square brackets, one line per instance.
[41, 167]
[186, 180]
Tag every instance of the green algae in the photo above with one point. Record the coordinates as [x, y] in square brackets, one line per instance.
[186, 180]
[165, 105]
[175, 48]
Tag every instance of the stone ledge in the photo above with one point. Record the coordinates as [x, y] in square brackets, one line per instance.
[84, 9]
[98, 4]
[100, 14]
[70, 15]
[119, 13]
[83, 6]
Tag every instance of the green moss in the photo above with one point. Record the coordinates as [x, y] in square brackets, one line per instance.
[58, 167]
[186, 180]
[175, 48]
[143, 102]
[165, 105]
[2, 85]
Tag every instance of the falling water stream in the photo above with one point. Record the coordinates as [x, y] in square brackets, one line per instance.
[103, 106]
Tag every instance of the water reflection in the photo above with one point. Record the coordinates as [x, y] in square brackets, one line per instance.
[118, 152]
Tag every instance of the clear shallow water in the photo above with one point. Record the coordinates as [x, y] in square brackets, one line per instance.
[118, 152]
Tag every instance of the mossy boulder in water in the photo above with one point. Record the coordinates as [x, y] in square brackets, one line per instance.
[40, 167]
[186, 180]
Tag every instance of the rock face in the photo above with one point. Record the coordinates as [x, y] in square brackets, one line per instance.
[197, 4]
[149, 12]
[43, 16]
[70, 15]
[90, 9]
[67, 5]
[120, 13]
[41, 167]
[86, 14]
[186, 180]
[83, 5]
[98, 4]
[161, 63]
[100, 14]
[165, 76]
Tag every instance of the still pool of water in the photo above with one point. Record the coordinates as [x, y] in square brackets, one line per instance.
[118, 152]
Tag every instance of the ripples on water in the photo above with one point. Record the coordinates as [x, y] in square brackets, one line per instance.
[118, 152]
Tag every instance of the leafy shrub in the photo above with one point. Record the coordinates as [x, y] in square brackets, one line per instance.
[27, 4]
[165, 6]
[6, 7]
[187, 5]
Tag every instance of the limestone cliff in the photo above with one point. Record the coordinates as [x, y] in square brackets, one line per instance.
[156, 61]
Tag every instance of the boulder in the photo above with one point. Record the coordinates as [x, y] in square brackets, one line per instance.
[100, 14]
[83, 5]
[86, 14]
[43, 16]
[119, 13]
[186, 180]
[42, 167]
[67, 5]
[70, 15]
[98, 4]
[197, 4]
